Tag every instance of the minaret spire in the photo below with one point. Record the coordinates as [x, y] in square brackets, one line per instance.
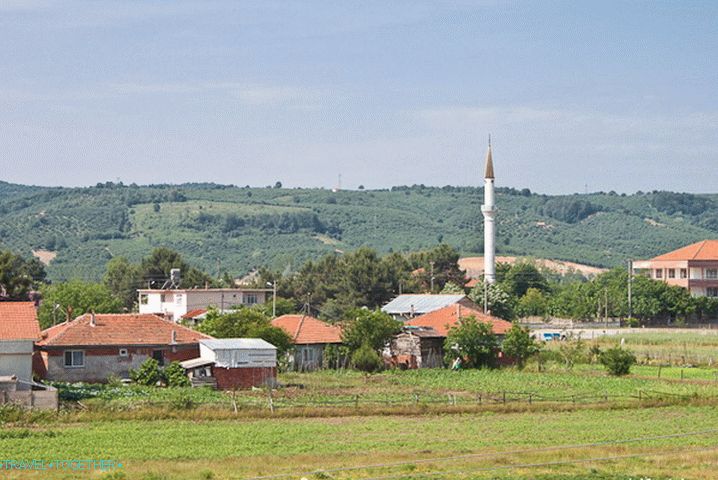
[488, 209]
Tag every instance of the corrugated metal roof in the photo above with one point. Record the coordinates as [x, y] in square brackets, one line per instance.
[237, 344]
[195, 362]
[419, 304]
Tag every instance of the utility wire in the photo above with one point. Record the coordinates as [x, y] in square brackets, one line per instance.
[495, 454]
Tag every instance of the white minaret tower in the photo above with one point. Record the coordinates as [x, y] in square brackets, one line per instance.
[489, 211]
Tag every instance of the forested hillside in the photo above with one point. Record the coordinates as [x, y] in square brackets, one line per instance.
[233, 229]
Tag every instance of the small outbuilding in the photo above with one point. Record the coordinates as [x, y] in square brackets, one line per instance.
[310, 337]
[233, 363]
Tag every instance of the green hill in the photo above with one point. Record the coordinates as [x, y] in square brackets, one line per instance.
[235, 229]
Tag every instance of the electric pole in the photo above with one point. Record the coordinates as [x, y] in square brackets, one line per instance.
[432, 276]
[630, 289]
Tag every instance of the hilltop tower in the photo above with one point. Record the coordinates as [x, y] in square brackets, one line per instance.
[488, 209]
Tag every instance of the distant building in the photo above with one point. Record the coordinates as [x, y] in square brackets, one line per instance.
[174, 303]
[92, 347]
[694, 267]
[310, 337]
[233, 363]
[408, 306]
[421, 342]
[19, 330]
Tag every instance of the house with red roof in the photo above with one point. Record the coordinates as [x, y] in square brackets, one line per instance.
[93, 347]
[310, 337]
[19, 329]
[693, 267]
[421, 342]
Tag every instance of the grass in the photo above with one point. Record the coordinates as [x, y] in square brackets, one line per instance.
[241, 449]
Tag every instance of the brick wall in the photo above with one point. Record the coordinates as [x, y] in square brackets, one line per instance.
[237, 378]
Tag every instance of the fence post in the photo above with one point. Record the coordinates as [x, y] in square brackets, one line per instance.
[530, 395]
[681, 374]
[478, 398]
[640, 395]
[659, 370]
[504, 396]
[356, 401]
[416, 399]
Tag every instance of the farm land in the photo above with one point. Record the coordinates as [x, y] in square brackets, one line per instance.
[556, 423]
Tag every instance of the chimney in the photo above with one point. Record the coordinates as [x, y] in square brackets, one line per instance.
[68, 316]
[411, 310]
[174, 338]
[93, 320]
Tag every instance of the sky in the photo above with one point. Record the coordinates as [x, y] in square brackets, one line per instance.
[577, 96]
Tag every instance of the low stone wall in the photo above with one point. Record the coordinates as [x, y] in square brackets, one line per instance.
[44, 399]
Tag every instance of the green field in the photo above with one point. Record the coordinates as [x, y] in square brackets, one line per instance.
[421, 444]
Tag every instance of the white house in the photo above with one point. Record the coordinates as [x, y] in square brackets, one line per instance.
[19, 330]
[174, 303]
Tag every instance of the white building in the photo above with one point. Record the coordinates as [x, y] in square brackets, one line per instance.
[174, 303]
[19, 330]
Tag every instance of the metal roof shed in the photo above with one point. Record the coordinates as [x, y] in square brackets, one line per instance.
[238, 352]
[412, 304]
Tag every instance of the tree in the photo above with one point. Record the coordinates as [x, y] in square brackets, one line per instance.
[617, 361]
[174, 375]
[499, 302]
[157, 266]
[446, 266]
[473, 341]
[533, 303]
[247, 323]
[372, 327]
[366, 359]
[122, 279]
[18, 276]
[75, 297]
[450, 288]
[522, 276]
[519, 345]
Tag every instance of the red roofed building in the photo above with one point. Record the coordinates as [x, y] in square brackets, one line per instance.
[310, 336]
[18, 331]
[421, 343]
[93, 347]
[443, 319]
[694, 267]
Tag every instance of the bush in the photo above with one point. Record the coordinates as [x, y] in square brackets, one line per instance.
[175, 376]
[519, 345]
[472, 341]
[617, 361]
[365, 359]
[148, 374]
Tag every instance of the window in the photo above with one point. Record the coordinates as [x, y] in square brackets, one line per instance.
[123, 352]
[250, 298]
[144, 299]
[712, 292]
[159, 356]
[659, 273]
[671, 273]
[178, 299]
[74, 358]
[684, 273]
[712, 273]
[163, 298]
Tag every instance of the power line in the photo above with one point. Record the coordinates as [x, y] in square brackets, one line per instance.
[495, 454]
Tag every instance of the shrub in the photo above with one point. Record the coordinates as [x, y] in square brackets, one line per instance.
[174, 375]
[366, 359]
[617, 361]
[473, 341]
[519, 345]
[148, 374]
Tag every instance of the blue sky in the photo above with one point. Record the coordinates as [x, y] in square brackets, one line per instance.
[600, 95]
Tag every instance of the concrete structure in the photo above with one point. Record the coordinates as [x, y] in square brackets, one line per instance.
[19, 330]
[694, 267]
[488, 209]
[233, 363]
[27, 394]
[92, 347]
[174, 303]
[408, 306]
[310, 337]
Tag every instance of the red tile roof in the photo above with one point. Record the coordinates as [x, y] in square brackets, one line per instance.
[443, 319]
[705, 250]
[118, 329]
[195, 313]
[18, 321]
[305, 329]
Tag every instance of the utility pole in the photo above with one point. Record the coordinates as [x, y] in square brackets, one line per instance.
[432, 276]
[274, 297]
[630, 289]
[605, 306]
